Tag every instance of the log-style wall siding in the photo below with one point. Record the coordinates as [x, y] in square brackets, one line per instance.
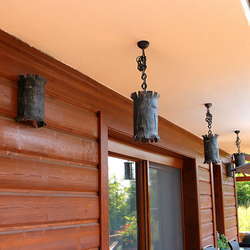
[50, 178]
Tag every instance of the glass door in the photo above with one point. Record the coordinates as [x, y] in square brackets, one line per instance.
[122, 204]
[165, 207]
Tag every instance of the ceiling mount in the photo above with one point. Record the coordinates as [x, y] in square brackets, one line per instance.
[143, 44]
[208, 105]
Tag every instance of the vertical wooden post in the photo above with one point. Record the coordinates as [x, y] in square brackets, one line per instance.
[103, 180]
[143, 212]
[218, 197]
[236, 209]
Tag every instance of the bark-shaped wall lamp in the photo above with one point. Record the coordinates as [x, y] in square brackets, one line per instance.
[239, 157]
[211, 148]
[145, 105]
[31, 96]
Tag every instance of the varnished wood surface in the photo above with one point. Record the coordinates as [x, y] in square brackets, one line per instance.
[67, 237]
[22, 138]
[23, 173]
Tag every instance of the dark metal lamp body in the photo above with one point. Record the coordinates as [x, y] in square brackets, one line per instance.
[31, 98]
[239, 159]
[145, 116]
[211, 148]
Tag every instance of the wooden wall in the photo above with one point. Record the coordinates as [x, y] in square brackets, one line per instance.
[50, 178]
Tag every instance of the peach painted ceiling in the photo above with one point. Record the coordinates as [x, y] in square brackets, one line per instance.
[199, 52]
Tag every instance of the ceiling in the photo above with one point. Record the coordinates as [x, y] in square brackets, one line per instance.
[199, 52]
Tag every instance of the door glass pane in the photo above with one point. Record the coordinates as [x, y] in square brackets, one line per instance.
[122, 204]
[165, 208]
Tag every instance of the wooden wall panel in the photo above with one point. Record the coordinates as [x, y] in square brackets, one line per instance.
[33, 208]
[206, 215]
[23, 173]
[22, 138]
[204, 175]
[207, 228]
[205, 202]
[68, 237]
[205, 188]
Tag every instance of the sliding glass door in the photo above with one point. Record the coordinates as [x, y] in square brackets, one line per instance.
[145, 211]
[165, 207]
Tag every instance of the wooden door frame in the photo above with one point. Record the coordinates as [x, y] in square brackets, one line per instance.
[191, 210]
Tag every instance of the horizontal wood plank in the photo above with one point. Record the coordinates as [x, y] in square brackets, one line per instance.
[208, 240]
[204, 175]
[229, 181]
[230, 211]
[228, 190]
[206, 216]
[17, 172]
[73, 238]
[206, 202]
[232, 233]
[231, 222]
[207, 229]
[25, 209]
[205, 188]
[229, 201]
[44, 142]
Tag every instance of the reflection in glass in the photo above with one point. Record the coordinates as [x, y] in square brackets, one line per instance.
[165, 208]
[122, 206]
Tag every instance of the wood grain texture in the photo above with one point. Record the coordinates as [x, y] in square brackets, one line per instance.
[22, 138]
[29, 208]
[103, 177]
[71, 237]
[191, 209]
[21, 173]
[206, 215]
[205, 188]
[204, 175]
[205, 202]
[206, 229]
[231, 222]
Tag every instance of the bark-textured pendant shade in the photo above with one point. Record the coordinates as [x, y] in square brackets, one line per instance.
[145, 116]
[239, 159]
[211, 148]
[31, 96]
[145, 105]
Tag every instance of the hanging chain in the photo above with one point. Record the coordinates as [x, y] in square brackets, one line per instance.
[208, 119]
[141, 60]
[237, 142]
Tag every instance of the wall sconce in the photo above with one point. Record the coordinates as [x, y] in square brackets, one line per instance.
[211, 148]
[31, 96]
[239, 157]
[128, 171]
[145, 105]
[230, 169]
